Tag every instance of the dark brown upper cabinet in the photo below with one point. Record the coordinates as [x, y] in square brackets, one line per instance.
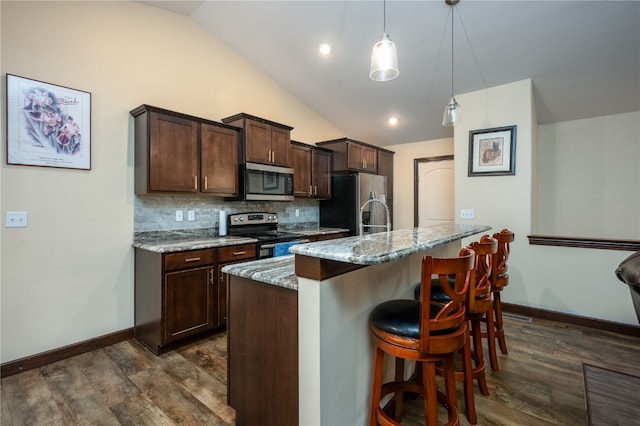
[180, 153]
[352, 155]
[264, 141]
[312, 171]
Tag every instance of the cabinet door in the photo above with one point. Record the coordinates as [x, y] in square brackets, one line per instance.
[354, 156]
[228, 256]
[219, 160]
[257, 142]
[187, 302]
[301, 161]
[173, 153]
[370, 159]
[280, 146]
[321, 173]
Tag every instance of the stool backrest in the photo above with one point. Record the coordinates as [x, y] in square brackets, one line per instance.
[500, 276]
[479, 299]
[436, 318]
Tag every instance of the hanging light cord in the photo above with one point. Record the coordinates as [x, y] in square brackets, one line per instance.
[452, 6]
[384, 16]
[473, 52]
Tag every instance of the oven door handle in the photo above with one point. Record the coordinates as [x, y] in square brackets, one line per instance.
[270, 246]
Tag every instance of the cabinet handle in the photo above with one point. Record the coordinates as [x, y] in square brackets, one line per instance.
[211, 276]
[191, 259]
[239, 253]
[364, 163]
[273, 156]
[310, 190]
[315, 190]
[206, 185]
[195, 182]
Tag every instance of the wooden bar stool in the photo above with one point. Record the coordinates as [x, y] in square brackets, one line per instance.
[478, 309]
[426, 333]
[479, 306]
[499, 280]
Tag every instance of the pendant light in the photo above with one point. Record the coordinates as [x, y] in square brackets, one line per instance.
[452, 110]
[384, 58]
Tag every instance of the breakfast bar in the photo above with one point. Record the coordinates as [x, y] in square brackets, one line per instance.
[299, 350]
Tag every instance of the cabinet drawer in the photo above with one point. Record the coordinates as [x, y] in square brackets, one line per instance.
[233, 253]
[189, 259]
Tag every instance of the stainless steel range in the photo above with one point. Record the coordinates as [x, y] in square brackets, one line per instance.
[264, 228]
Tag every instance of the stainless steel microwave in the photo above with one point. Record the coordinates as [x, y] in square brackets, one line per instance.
[262, 182]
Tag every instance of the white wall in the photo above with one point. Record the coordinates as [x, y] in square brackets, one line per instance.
[68, 277]
[588, 178]
[569, 280]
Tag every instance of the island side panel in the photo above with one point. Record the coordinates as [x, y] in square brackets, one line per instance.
[335, 344]
[262, 333]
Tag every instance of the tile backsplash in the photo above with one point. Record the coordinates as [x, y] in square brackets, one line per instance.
[158, 212]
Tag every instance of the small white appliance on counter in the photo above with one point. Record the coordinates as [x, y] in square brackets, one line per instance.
[222, 223]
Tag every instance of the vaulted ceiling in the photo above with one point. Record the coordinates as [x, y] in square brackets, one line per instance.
[582, 56]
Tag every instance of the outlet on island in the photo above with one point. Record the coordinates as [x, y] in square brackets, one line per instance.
[467, 214]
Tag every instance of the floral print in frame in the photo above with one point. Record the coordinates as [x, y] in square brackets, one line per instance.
[47, 125]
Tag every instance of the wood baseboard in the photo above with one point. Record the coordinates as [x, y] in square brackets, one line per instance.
[44, 358]
[36, 361]
[614, 327]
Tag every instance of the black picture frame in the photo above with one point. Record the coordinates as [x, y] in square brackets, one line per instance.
[492, 152]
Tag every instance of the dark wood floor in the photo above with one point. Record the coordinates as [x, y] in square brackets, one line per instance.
[540, 382]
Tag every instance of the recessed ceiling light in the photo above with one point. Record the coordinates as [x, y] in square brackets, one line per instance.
[393, 121]
[325, 49]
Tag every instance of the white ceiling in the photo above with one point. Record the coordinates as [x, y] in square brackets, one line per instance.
[582, 56]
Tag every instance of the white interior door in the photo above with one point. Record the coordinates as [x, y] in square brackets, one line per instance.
[435, 192]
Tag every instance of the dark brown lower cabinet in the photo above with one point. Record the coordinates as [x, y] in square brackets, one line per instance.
[189, 309]
[262, 349]
[179, 295]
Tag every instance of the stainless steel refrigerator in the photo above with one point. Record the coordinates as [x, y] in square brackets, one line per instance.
[349, 192]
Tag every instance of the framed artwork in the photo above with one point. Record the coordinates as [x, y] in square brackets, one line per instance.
[269, 181]
[492, 152]
[47, 125]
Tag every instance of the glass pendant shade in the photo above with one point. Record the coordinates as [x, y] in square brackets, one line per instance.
[384, 60]
[451, 112]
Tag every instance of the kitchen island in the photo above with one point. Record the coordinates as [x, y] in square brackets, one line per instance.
[299, 350]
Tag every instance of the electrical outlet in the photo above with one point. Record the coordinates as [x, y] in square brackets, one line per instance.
[467, 214]
[179, 217]
[16, 220]
[191, 215]
[297, 212]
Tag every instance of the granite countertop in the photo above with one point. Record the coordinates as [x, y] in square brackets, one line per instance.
[387, 246]
[279, 271]
[308, 232]
[366, 250]
[181, 240]
[194, 239]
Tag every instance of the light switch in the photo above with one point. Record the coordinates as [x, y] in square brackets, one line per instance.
[16, 220]
[191, 215]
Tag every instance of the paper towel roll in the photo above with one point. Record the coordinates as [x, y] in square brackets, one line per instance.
[222, 223]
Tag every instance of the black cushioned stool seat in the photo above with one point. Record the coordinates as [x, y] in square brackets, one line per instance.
[402, 317]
